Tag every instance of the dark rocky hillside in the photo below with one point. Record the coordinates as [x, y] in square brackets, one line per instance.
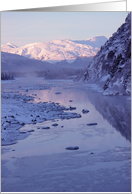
[111, 67]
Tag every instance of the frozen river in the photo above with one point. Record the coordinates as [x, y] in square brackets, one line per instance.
[40, 162]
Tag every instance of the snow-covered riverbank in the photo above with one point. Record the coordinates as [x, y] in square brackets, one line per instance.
[18, 109]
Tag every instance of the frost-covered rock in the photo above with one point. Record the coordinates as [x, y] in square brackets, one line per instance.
[32, 130]
[111, 67]
[55, 125]
[72, 108]
[85, 111]
[46, 127]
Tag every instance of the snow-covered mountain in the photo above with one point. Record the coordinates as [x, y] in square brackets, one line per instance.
[96, 41]
[57, 50]
[111, 67]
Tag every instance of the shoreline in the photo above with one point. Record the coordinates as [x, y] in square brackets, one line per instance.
[19, 109]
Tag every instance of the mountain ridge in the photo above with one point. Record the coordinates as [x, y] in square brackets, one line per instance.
[57, 50]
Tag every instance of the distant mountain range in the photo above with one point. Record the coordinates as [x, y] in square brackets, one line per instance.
[111, 67]
[57, 50]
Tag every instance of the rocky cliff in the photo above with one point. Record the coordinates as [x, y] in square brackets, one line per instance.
[111, 67]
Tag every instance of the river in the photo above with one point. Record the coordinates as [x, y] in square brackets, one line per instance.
[110, 135]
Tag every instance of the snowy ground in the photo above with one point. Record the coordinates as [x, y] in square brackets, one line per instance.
[39, 161]
[18, 110]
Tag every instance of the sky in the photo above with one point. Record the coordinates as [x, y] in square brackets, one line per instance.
[21, 28]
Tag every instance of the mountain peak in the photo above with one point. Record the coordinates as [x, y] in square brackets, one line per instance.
[56, 50]
[97, 38]
[11, 45]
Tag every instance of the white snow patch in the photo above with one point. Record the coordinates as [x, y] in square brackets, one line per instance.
[104, 78]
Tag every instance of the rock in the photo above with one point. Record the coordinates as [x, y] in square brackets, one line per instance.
[72, 108]
[26, 90]
[14, 122]
[78, 116]
[31, 130]
[72, 148]
[5, 125]
[12, 116]
[45, 127]
[110, 69]
[70, 100]
[91, 124]
[58, 93]
[55, 124]
[22, 123]
[8, 121]
[33, 120]
[84, 111]
[22, 132]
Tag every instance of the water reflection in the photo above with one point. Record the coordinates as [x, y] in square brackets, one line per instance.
[116, 110]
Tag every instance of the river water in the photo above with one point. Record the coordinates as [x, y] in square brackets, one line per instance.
[112, 132]
[111, 113]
